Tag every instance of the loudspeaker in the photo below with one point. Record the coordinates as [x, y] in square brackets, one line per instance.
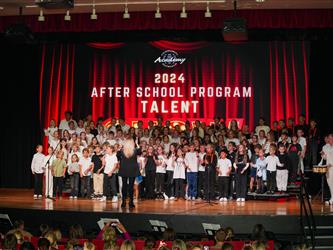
[235, 30]
[55, 4]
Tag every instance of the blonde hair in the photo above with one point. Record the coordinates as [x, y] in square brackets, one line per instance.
[129, 147]
[128, 245]
[19, 236]
[110, 238]
[88, 246]
[50, 235]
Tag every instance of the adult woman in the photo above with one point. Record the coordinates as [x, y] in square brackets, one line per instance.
[128, 170]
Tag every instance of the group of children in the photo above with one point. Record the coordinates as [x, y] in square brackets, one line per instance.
[173, 163]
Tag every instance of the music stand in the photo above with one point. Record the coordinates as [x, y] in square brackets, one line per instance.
[208, 201]
[322, 186]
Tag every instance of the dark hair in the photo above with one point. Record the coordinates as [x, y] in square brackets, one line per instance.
[227, 246]
[43, 244]
[68, 112]
[27, 246]
[220, 235]
[10, 242]
[19, 223]
[169, 234]
[258, 233]
[43, 228]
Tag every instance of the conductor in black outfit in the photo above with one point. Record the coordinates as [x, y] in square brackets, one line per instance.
[128, 170]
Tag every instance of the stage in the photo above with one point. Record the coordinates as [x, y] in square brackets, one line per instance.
[184, 216]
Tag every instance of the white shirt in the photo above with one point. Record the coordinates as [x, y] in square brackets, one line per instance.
[144, 138]
[302, 141]
[161, 168]
[142, 164]
[111, 141]
[235, 140]
[112, 128]
[261, 167]
[169, 163]
[101, 139]
[49, 133]
[53, 143]
[37, 164]
[72, 131]
[262, 141]
[272, 162]
[64, 124]
[85, 163]
[264, 127]
[125, 128]
[89, 138]
[79, 130]
[179, 170]
[166, 147]
[201, 167]
[110, 162]
[328, 154]
[192, 161]
[224, 165]
[175, 140]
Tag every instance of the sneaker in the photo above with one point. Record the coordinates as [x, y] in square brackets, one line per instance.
[239, 199]
[225, 199]
[186, 197]
[221, 199]
[103, 198]
[114, 199]
[193, 198]
[40, 196]
[165, 196]
[70, 197]
[242, 199]
[35, 196]
[75, 197]
[171, 198]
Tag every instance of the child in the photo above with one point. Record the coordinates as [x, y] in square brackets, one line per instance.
[272, 162]
[48, 172]
[282, 171]
[37, 169]
[201, 172]
[210, 161]
[231, 156]
[111, 140]
[49, 132]
[294, 153]
[241, 165]
[223, 168]
[261, 171]
[74, 173]
[110, 163]
[179, 173]
[58, 171]
[253, 165]
[150, 167]
[302, 141]
[169, 173]
[97, 175]
[85, 173]
[160, 173]
[192, 164]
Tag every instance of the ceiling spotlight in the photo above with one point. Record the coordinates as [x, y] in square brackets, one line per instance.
[41, 17]
[260, 1]
[183, 14]
[158, 14]
[208, 13]
[2, 8]
[93, 15]
[67, 17]
[126, 14]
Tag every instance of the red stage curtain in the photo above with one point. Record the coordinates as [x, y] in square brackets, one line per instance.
[178, 46]
[273, 19]
[105, 45]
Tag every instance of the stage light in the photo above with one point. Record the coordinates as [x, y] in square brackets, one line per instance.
[183, 14]
[93, 15]
[67, 16]
[158, 13]
[41, 17]
[208, 13]
[126, 14]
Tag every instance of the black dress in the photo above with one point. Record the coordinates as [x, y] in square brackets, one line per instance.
[129, 167]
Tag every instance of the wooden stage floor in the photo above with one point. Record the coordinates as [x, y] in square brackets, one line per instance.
[22, 199]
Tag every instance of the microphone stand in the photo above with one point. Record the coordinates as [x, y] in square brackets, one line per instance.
[47, 166]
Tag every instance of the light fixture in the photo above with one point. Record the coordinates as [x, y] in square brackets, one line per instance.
[126, 14]
[260, 1]
[41, 17]
[93, 15]
[183, 14]
[67, 16]
[2, 8]
[158, 14]
[208, 13]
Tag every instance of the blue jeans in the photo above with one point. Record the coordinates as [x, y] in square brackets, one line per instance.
[192, 179]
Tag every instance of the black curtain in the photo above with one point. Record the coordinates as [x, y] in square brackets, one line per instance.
[19, 112]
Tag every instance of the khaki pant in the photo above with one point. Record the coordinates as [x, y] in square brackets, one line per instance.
[98, 183]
